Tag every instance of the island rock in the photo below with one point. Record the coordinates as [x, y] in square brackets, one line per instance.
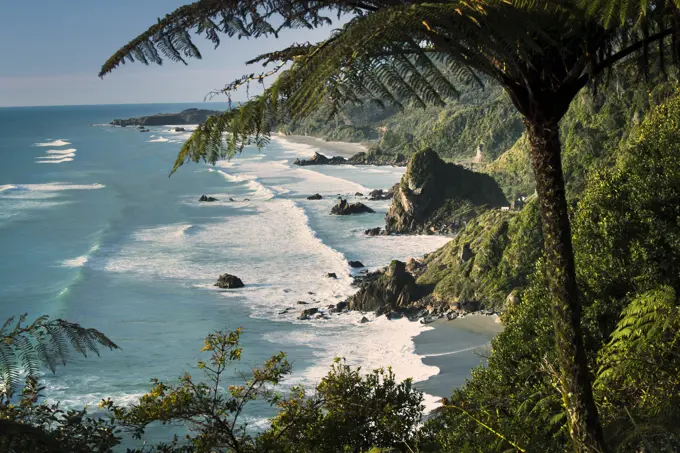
[229, 281]
[345, 208]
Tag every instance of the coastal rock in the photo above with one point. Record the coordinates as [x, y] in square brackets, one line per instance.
[377, 156]
[180, 129]
[316, 196]
[207, 199]
[188, 116]
[345, 208]
[364, 320]
[306, 314]
[470, 306]
[331, 275]
[377, 231]
[358, 194]
[356, 264]
[302, 302]
[435, 197]
[392, 290]
[229, 281]
[380, 194]
[394, 315]
[320, 159]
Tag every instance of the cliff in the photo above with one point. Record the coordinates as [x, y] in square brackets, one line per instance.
[438, 197]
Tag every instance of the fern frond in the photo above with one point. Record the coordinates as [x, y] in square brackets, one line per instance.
[24, 348]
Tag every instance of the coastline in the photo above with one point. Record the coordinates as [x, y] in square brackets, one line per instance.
[343, 149]
[473, 334]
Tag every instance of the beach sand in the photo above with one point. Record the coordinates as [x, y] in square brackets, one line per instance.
[455, 347]
[343, 149]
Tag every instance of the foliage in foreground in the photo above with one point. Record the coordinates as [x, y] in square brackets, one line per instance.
[348, 410]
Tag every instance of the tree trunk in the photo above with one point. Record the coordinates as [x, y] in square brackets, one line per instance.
[577, 393]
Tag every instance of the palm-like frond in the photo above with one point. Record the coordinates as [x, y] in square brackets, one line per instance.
[25, 348]
[410, 53]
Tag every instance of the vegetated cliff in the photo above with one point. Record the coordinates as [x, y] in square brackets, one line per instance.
[480, 121]
[438, 197]
[486, 266]
[188, 116]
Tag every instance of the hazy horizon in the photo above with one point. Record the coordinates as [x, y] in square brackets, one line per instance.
[56, 64]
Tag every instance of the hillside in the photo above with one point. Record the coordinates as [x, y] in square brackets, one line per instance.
[188, 116]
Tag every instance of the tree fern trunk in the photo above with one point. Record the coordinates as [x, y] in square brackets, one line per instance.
[584, 424]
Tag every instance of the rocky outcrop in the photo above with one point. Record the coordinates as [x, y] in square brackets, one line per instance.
[378, 157]
[316, 196]
[380, 194]
[180, 129]
[395, 289]
[306, 314]
[435, 197]
[208, 199]
[320, 159]
[345, 208]
[377, 231]
[189, 116]
[332, 275]
[228, 281]
[356, 264]
[373, 157]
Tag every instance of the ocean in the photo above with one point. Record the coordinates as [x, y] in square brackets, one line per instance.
[93, 230]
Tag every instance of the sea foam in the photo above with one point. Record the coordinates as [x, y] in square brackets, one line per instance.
[59, 142]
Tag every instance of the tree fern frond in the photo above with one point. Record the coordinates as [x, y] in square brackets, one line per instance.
[42, 343]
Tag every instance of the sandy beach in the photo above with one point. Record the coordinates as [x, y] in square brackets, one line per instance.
[455, 347]
[343, 149]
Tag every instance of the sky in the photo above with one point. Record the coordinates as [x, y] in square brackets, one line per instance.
[52, 51]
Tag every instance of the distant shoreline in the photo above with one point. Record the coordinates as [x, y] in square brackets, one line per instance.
[344, 149]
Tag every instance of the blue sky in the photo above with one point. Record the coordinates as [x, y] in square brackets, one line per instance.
[52, 51]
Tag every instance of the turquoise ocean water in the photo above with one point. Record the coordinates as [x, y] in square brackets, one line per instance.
[92, 230]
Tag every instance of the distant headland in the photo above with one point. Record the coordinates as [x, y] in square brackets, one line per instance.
[188, 116]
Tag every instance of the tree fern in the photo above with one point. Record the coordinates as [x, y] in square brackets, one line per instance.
[26, 348]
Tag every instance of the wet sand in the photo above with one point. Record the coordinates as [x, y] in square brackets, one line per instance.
[455, 347]
[344, 149]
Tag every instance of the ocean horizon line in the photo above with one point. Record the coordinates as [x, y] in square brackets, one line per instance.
[7, 107]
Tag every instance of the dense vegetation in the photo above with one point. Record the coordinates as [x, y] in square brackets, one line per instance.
[480, 116]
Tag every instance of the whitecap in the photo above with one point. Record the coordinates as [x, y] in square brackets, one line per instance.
[59, 161]
[59, 142]
[81, 260]
[158, 140]
[61, 151]
[56, 156]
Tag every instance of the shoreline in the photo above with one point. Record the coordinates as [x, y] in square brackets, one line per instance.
[343, 149]
[473, 334]
[468, 338]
